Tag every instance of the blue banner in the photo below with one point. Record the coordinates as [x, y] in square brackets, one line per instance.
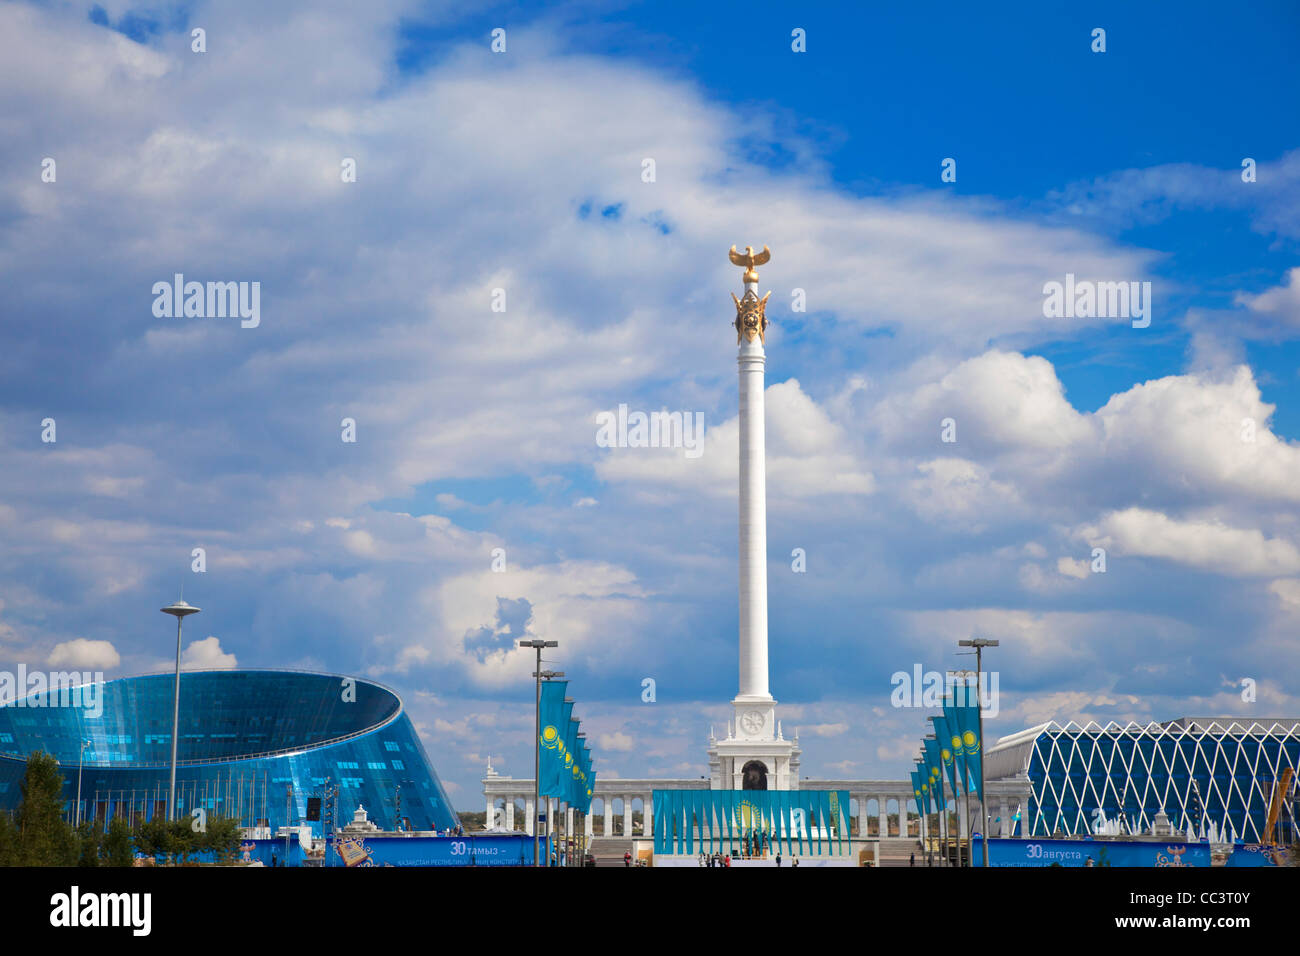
[490, 850]
[955, 741]
[946, 751]
[934, 769]
[762, 822]
[916, 796]
[972, 747]
[1126, 853]
[550, 743]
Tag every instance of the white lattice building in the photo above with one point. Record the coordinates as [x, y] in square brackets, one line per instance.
[1219, 770]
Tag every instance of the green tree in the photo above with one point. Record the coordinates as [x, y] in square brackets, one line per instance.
[151, 837]
[89, 841]
[222, 838]
[8, 841]
[117, 849]
[181, 841]
[44, 838]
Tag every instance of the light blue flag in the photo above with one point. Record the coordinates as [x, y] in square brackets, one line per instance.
[968, 720]
[946, 752]
[675, 821]
[550, 743]
[559, 783]
[934, 766]
[828, 820]
[663, 833]
[819, 815]
[574, 783]
[809, 820]
[728, 824]
[661, 817]
[916, 798]
[840, 803]
[588, 779]
[738, 820]
[688, 838]
[783, 819]
[955, 741]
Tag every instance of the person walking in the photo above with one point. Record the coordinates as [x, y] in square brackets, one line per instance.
[778, 857]
[911, 860]
[627, 858]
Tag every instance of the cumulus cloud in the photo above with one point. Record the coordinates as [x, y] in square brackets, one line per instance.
[1211, 545]
[807, 454]
[82, 653]
[206, 655]
[825, 730]
[618, 742]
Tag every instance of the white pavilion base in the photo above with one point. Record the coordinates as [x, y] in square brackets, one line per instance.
[786, 862]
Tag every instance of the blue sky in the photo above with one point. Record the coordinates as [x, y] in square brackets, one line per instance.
[476, 429]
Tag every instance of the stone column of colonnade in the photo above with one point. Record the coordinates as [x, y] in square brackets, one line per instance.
[647, 816]
[586, 825]
[609, 816]
[882, 814]
[510, 813]
[531, 815]
[627, 816]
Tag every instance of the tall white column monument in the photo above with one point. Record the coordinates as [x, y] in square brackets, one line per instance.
[754, 754]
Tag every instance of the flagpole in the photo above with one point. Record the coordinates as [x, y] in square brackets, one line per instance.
[537, 737]
[979, 644]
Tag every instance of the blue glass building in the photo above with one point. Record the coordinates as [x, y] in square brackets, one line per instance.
[1219, 770]
[266, 747]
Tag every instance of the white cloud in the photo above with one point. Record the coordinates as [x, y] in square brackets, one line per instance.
[807, 454]
[1281, 303]
[207, 655]
[825, 730]
[617, 741]
[1210, 545]
[85, 654]
[1073, 567]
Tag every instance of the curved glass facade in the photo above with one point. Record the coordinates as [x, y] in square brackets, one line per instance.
[261, 746]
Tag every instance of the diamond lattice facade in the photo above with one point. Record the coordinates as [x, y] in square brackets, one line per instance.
[1224, 766]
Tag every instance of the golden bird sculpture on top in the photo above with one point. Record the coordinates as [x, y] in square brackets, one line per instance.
[751, 320]
[749, 260]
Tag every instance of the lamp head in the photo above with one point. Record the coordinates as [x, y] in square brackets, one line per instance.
[180, 609]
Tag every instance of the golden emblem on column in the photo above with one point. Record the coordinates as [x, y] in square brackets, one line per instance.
[751, 319]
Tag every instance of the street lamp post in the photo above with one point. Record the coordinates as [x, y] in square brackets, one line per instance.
[979, 644]
[179, 610]
[80, 760]
[550, 818]
[537, 732]
[963, 675]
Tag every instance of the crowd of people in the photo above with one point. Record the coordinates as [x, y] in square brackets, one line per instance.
[754, 845]
[724, 859]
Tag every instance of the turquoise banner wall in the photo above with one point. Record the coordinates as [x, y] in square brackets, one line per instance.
[753, 822]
